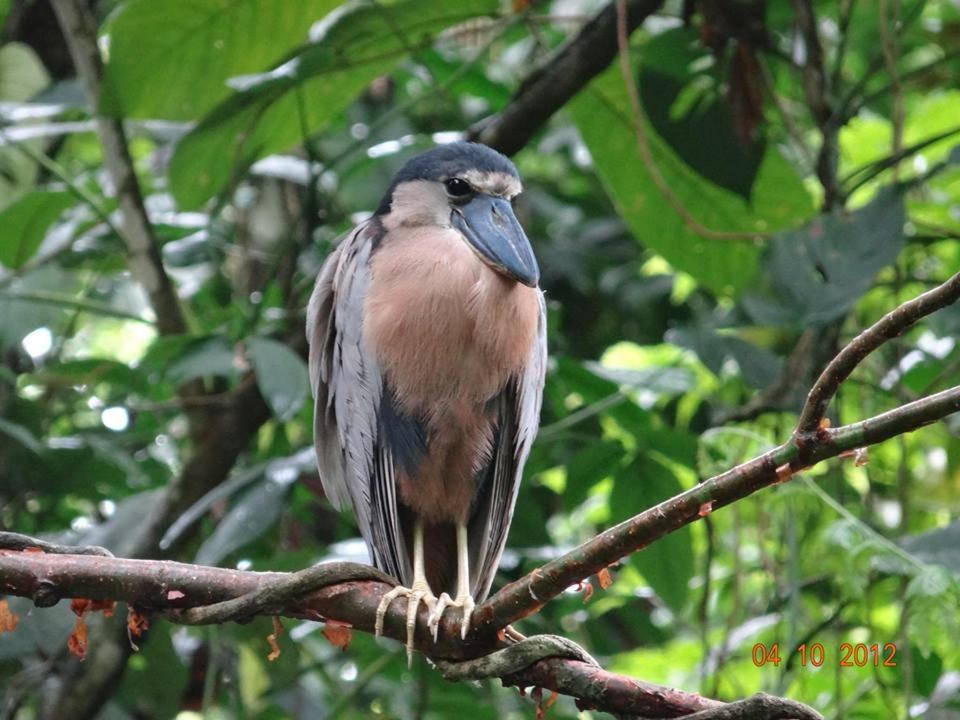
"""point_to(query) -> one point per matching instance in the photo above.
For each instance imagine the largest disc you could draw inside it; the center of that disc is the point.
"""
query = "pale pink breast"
(448, 332)
(443, 324)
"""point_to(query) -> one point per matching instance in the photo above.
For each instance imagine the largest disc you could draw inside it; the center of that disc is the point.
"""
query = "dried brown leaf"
(8, 618)
(272, 639)
(79, 639)
(137, 622)
(605, 578)
(338, 633)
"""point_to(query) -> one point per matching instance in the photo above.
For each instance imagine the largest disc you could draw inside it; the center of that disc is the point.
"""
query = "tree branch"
(350, 593)
(816, 85)
(889, 326)
(546, 90)
(80, 31)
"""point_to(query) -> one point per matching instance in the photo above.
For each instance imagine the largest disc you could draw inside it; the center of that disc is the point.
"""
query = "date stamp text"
(816, 655)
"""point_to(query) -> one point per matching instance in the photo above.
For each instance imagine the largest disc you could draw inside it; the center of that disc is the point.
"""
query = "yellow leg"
(419, 593)
(464, 599)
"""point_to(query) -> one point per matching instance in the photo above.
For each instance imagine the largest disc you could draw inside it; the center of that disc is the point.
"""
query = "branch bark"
(548, 89)
(349, 593)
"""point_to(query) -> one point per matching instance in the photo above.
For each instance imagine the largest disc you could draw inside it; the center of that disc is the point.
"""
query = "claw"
(415, 595)
(464, 602)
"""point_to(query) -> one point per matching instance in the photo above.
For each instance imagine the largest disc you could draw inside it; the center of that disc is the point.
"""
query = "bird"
(427, 360)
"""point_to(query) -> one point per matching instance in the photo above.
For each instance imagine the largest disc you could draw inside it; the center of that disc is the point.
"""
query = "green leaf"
(685, 106)
(668, 563)
(252, 516)
(936, 546)
(281, 376)
(278, 109)
(22, 74)
(201, 357)
(758, 367)
(173, 59)
(602, 114)
(588, 467)
(932, 582)
(817, 274)
(24, 224)
(21, 435)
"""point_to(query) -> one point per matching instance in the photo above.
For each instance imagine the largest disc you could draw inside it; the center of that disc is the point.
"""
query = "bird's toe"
(467, 604)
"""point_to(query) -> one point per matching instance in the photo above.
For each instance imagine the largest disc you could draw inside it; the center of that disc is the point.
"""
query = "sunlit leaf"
(173, 59)
(603, 116)
(667, 564)
(277, 109)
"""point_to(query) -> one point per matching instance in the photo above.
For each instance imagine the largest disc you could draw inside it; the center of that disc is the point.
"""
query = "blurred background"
(795, 174)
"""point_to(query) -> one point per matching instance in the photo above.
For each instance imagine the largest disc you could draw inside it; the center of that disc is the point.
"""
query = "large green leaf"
(24, 224)
(816, 274)
(281, 375)
(684, 105)
(22, 74)
(778, 200)
(278, 109)
(668, 563)
(172, 59)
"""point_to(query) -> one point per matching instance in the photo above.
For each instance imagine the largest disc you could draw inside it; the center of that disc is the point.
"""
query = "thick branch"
(80, 31)
(169, 586)
(567, 73)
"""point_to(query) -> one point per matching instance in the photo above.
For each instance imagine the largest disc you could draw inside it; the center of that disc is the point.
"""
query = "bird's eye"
(458, 188)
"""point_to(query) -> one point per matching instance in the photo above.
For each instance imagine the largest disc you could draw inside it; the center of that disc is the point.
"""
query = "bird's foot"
(415, 595)
(466, 605)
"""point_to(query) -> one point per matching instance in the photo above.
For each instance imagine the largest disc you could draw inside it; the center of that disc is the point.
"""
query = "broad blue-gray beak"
(490, 226)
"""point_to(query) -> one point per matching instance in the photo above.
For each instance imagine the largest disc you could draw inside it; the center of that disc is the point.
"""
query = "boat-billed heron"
(428, 350)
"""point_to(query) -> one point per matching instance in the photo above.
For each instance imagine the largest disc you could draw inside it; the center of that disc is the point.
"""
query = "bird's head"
(468, 187)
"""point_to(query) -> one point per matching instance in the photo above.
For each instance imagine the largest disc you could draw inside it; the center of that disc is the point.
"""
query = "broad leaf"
(668, 563)
(172, 59)
(281, 375)
(24, 224)
(276, 110)
(247, 520)
(818, 273)
(603, 115)
(685, 106)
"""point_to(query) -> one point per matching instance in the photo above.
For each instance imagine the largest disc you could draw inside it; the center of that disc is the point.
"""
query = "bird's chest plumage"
(448, 333)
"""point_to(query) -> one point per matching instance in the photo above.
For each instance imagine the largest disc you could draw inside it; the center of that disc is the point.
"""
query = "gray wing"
(519, 413)
(347, 385)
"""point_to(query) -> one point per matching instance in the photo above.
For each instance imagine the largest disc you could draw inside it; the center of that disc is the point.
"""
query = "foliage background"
(259, 136)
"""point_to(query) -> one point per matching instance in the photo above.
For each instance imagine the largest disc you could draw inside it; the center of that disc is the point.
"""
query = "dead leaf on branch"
(8, 618)
(605, 578)
(78, 641)
(272, 639)
(338, 633)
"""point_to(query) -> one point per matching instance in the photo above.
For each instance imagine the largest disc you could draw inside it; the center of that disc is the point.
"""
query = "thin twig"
(89, 306)
(18, 541)
(889, 40)
(79, 30)
(889, 326)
